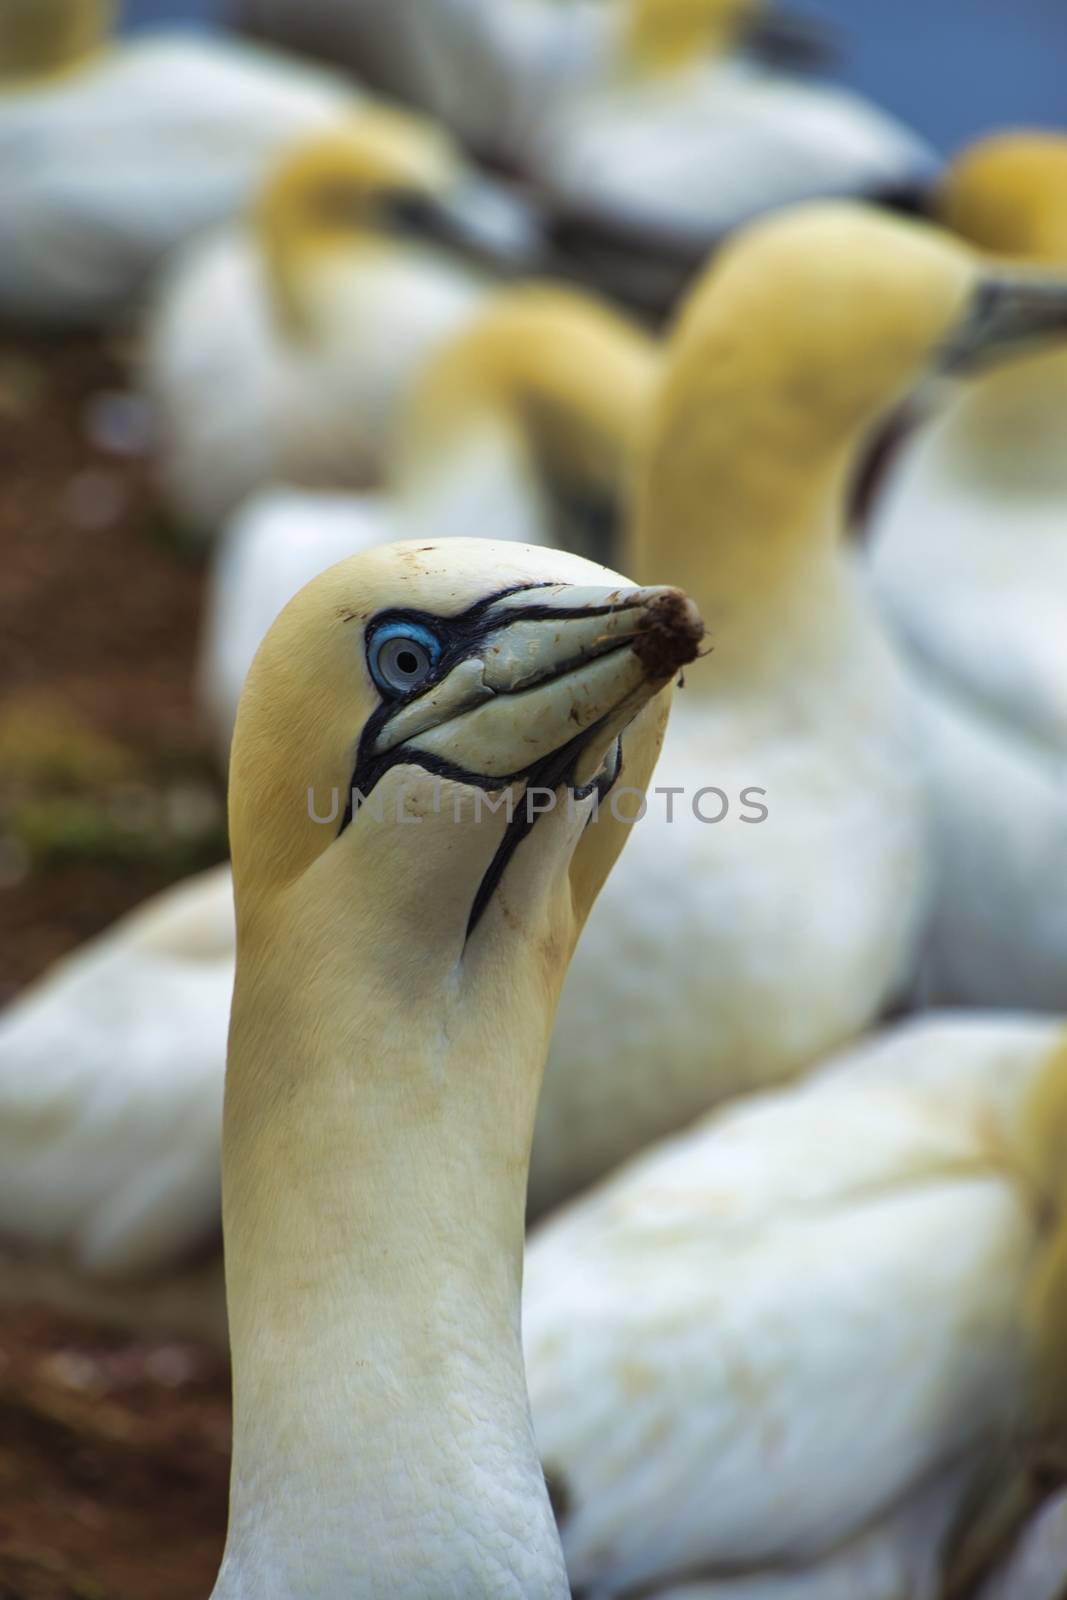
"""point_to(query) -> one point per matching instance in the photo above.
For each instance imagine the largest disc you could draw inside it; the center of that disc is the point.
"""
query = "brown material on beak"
(672, 636)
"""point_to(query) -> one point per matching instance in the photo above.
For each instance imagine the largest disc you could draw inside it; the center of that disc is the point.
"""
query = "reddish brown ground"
(113, 1454)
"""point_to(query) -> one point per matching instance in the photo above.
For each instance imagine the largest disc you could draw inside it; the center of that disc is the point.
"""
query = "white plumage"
(969, 559)
(111, 1103)
(777, 1351)
(693, 159)
(723, 956)
(110, 166)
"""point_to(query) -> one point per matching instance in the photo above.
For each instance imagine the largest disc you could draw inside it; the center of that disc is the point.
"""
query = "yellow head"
(668, 35)
(467, 667)
(664, 34)
(40, 37)
(567, 376)
(380, 175)
(1008, 195)
(805, 331)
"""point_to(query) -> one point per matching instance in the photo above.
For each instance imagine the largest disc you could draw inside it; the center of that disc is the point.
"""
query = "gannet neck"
(332, 193)
(806, 330)
(40, 39)
(740, 499)
(553, 381)
(376, 1156)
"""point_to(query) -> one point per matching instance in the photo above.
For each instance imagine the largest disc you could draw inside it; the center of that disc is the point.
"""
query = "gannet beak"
(1007, 313)
(480, 219)
(792, 42)
(538, 686)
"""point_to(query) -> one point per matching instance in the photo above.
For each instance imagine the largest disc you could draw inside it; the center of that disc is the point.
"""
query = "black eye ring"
(402, 656)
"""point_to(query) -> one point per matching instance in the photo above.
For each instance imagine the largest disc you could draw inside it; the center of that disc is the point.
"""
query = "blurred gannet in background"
(804, 1350)
(394, 998)
(110, 1117)
(280, 348)
(115, 152)
(970, 560)
(654, 126)
(518, 427)
(771, 908)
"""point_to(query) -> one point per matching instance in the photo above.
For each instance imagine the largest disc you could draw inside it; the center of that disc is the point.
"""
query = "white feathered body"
(696, 156)
(110, 167)
(970, 561)
(245, 403)
(773, 1353)
(488, 69)
(725, 956)
(111, 1070)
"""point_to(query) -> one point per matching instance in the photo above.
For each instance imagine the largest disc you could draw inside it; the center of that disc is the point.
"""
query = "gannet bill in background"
(397, 972)
(280, 348)
(969, 558)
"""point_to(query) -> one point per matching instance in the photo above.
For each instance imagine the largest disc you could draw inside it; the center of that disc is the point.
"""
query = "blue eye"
(402, 656)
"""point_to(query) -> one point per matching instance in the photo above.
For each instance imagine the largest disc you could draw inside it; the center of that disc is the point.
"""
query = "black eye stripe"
(460, 636)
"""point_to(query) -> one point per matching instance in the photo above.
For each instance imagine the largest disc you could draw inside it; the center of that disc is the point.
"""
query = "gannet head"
(380, 175)
(1008, 195)
(396, 704)
(823, 317)
(805, 331)
(662, 35)
(39, 37)
(558, 373)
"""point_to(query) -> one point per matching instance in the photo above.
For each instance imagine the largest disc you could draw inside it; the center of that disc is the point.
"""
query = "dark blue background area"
(951, 68)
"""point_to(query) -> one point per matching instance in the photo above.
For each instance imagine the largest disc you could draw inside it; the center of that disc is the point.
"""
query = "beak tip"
(671, 637)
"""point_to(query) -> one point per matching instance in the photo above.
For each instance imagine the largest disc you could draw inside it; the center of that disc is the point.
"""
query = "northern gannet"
(804, 1350)
(728, 954)
(969, 557)
(771, 906)
(521, 424)
(657, 125)
(115, 152)
(398, 965)
(279, 348)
